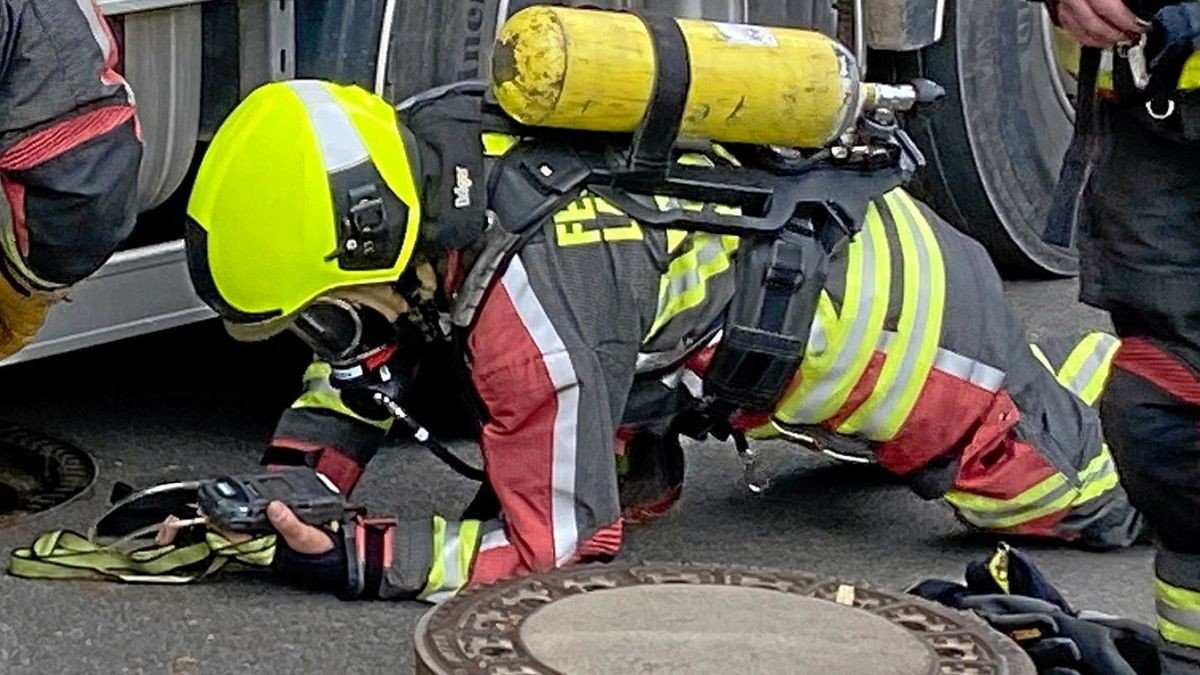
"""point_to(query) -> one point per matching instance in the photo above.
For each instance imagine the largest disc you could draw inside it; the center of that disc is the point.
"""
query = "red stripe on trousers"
(14, 192)
(929, 432)
(1155, 365)
(54, 140)
(518, 438)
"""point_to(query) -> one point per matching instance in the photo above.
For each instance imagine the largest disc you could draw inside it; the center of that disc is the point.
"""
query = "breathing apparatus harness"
(792, 211)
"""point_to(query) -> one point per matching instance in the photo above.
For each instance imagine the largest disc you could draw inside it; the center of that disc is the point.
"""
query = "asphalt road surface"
(189, 403)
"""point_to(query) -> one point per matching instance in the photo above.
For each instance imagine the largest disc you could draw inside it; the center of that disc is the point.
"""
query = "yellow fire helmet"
(306, 188)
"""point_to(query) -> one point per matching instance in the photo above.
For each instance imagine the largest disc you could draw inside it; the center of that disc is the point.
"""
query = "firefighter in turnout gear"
(1131, 190)
(588, 337)
(70, 147)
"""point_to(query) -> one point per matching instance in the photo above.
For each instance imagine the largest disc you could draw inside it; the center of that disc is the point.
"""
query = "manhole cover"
(39, 473)
(703, 619)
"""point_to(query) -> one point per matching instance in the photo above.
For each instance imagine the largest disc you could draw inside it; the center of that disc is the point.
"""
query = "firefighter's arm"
(378, 558)
(320, 431)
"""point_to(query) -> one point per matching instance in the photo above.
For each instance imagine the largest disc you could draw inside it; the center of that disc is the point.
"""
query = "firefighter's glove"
(1061, 644)
(1172, 38)
(305, 555)
(22, 315)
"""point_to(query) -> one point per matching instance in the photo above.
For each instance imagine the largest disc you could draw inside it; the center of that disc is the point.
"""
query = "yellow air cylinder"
(594, 70)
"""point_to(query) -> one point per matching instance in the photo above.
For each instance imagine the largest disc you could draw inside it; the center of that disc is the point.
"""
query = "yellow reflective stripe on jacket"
(827, 376)
(454, 547)
(320, 394)
(1086, 368)
(1052, 494)
(911, 352)
(685, 283)
(1178, 612)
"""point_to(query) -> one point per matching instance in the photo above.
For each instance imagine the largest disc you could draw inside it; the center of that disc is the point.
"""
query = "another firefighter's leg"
(1151, 410)
(548, 441)
(70, 149)
(1142, 263)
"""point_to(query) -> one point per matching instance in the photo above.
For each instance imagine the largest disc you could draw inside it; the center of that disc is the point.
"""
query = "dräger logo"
(462, 187)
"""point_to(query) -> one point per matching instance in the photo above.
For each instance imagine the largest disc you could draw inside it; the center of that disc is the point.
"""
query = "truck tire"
(995, 143)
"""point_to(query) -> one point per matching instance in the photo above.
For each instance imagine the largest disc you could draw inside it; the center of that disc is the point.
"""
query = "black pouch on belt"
(779, 282)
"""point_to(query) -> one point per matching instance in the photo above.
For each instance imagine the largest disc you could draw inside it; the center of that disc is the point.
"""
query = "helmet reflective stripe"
(340, 144)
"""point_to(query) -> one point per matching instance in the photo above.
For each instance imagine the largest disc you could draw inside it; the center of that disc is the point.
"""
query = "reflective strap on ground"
(320, 394)
(684, 285)
(912, 350)
(828, 376)
(63, 554)
(454, 545)
(1178, 613)
(1086, 368)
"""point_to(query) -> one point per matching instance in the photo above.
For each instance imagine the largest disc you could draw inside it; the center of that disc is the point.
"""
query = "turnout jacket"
(597, 322)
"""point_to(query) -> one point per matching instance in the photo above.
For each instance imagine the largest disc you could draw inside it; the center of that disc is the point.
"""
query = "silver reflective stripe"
(993, 517)
(341, 146)
(964, 368)
(1180, 617)
(1092, 364)
(879, 419)
(558, 364)
(818, 338)
(825, 388)
(493, 539)
(679, 284)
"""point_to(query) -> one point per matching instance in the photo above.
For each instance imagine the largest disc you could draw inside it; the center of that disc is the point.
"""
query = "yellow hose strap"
(64, 554)
(1178, 613)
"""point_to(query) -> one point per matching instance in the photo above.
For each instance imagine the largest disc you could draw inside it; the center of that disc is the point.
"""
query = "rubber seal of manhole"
(38, 473)
(673, 617)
